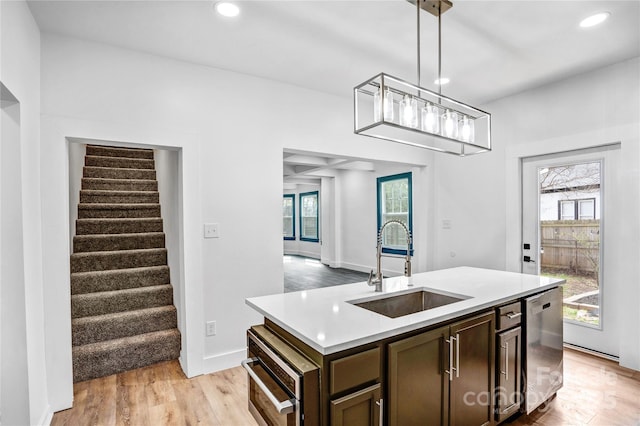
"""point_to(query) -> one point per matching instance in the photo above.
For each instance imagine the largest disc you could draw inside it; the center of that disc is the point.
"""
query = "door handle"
(528, 259)
(506, 360)
(457, 355)
(451, 368)
(381, 405)
(284, 407)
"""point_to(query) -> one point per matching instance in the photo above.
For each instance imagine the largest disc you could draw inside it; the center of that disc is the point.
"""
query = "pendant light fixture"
(389, 108)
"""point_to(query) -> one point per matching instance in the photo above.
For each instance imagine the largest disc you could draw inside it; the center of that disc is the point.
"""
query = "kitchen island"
(366, 359)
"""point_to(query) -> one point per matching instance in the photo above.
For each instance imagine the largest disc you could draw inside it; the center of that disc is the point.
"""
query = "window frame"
(300, 197)
(293, 217)
(576, 208)
(379, 182)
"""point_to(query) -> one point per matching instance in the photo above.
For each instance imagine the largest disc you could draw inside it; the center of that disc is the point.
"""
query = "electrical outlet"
(211, 230)
(211, 328)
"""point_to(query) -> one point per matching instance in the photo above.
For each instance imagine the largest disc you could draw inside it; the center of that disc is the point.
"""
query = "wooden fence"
(570, 244)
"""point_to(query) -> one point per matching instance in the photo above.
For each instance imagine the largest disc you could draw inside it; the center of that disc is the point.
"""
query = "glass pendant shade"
(430, 118)
(466, 129)
(449, 126)
(383, 105)
(425, 118)
(409, 112)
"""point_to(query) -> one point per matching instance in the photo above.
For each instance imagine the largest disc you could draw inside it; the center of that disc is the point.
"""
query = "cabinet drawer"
(508, 316)
(354, 370)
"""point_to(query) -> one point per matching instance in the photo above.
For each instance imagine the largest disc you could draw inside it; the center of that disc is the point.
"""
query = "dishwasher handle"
(283, 407)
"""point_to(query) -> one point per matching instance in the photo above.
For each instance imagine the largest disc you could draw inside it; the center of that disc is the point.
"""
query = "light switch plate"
(211, 230)
(211, 328)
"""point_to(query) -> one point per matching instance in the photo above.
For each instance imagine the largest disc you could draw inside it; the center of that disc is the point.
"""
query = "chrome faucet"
(377, 280)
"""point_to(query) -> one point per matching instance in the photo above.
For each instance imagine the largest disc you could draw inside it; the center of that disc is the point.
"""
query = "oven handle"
(284, 407)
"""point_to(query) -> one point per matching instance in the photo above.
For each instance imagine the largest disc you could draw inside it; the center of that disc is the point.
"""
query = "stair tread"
(120, 271)
(118, 180)
(114, 206)
(120, 219)
(131, 313)
(119, 158)
(119, 279)
(116, 191)
(115, 151)
(119, 252)
(127, 353)
(122, 235)
(147, 289)
(125, 341)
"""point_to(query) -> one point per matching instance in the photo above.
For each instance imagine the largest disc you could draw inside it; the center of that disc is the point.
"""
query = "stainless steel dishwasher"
(543, 351)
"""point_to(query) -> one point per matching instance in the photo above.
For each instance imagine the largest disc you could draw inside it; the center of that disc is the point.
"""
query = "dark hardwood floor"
(303, 273)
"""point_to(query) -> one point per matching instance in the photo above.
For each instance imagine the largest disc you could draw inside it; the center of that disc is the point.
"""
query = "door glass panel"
(569, 199)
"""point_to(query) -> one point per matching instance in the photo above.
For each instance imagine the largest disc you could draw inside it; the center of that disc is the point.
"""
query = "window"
(288, 215)
(394, 202)
(584, 209)
(309, 217)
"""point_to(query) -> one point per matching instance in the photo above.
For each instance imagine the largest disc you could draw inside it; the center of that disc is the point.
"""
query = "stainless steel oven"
(283, 384)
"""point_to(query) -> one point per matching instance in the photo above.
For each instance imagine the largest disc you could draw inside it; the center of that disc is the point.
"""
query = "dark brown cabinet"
(508, 392)
(418, 386)
(508, 369)
(361, 408)
(443, 376)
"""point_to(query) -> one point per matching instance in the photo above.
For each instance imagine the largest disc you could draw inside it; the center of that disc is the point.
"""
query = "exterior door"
(565, 206)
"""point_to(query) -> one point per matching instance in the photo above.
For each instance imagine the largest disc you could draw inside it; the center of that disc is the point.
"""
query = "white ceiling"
(490, 49)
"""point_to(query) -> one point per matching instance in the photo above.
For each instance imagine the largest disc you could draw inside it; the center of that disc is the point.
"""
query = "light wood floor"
(596, 392)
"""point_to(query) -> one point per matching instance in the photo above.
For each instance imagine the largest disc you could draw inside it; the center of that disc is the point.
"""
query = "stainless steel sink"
(408, 303)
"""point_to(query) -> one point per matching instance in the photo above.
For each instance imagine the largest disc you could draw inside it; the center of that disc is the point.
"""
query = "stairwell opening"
(125, 257)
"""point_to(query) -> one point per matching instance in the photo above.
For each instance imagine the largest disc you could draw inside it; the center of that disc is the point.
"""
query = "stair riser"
(119, 279)
(92, 304)
(118, 358)
(104, 261)
(119, 152)
(128, 324)
(111, 173)
(117, 198)
(83, 244)
(109, 226)
(96, 213)
(122, 163)
(119, 185)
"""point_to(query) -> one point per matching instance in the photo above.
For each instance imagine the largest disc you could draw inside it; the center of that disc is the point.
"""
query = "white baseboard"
(46, 417)
(224, 361)
(367, 269)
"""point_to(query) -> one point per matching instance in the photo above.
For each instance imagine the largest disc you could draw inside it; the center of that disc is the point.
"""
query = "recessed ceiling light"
(227, 9)
(594, 20)
(441, 81)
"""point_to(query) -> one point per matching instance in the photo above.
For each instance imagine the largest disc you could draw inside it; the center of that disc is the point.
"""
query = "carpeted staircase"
(121, 297)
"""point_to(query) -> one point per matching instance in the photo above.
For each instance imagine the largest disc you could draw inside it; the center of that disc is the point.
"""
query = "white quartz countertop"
(324, 319)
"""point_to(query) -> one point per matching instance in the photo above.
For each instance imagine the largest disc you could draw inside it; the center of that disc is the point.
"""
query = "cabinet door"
(471, 394)
(418, 386)
(508, 371)
(360, 408)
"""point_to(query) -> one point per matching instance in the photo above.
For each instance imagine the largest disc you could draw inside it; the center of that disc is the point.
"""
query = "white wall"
(20, 73)
(481, 195)
(357, 209)
(77, 151)
(100, 92)
(169, 178)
